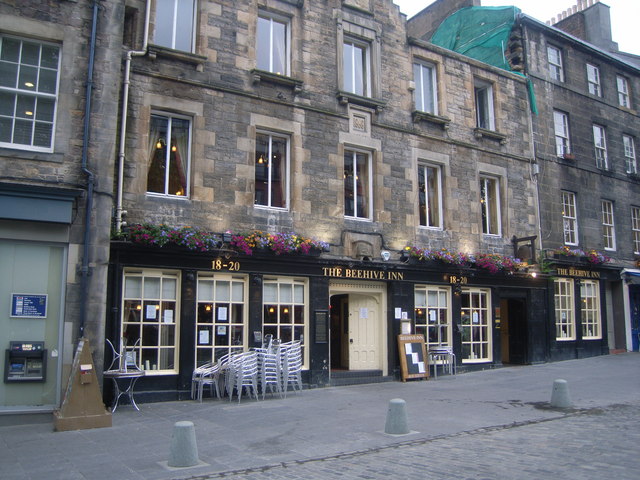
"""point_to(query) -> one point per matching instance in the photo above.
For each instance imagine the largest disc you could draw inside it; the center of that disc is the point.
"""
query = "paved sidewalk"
(317, 426)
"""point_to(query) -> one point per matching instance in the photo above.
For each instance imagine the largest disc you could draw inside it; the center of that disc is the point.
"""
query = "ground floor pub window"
(565, 313)
(284, 309)
(475, 325)
(590, 309)
(433, 315)
(150, 318)
(221, 317)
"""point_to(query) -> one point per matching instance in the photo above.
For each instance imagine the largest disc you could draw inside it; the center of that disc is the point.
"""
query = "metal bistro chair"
(291, 355)
(270, 369)
(442, 355)
(241, 373)
(208, 374)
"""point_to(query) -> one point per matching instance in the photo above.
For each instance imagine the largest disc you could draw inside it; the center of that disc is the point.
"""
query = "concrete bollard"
(560, 395)
(397, 418)
(184, 451)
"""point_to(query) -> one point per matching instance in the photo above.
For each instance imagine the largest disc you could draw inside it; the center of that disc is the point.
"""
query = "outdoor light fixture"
(386, 255)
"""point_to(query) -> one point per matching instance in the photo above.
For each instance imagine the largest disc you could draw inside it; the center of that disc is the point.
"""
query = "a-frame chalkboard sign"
(413, 357)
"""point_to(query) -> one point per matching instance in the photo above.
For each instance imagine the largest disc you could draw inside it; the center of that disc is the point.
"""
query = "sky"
(624, 15)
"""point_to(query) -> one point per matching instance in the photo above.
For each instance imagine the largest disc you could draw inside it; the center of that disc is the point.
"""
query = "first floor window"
(174, 22)
(424, 77)
(272, 48)
(630, 153)
(28, 93)
(635, 228)
(430, 196)
(608, 226)
(569, 218)
(484, 105)
(356, 67)
(150, 318)
(357, 184)
(475, 326)
(590, 311)
(490, 205)
(284, 310)
(623, 92)
(600, 144)
(565, 309)
(561, 129)
(169, 153)
(221, 317)
(433, 315)
(271, 170)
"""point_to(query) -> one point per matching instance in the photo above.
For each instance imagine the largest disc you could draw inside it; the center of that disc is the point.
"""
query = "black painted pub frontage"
(182, 308)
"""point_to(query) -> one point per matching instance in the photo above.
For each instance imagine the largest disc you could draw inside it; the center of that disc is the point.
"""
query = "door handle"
(351, 340)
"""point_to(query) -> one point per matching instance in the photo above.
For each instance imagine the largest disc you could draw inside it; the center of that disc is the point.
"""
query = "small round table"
(128, 379)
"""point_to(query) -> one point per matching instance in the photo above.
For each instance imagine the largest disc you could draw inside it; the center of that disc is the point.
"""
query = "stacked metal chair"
(208, 374)
(270, 369)
(291, 355)
(241, 373)
(442, 355)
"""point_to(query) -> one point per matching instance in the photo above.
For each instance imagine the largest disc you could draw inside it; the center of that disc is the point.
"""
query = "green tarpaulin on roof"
(481, 33)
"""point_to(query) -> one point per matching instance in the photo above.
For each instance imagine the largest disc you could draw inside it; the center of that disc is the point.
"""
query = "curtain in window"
(157, 145)
(179, 157)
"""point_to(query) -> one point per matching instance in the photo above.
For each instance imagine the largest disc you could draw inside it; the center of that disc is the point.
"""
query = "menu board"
(28, 305)
(413, 357)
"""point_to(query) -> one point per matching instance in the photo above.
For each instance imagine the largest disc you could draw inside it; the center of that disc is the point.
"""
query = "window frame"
(147, 301)
(211, 351)
(622, 87)
(490, 209)
(286, 174)
(424, 196)
(367, 75)
(556, 68)
(563, 142)
(369, 187)
(21, 95)
(593, 80)
(569, 218)
(608, 225)
(174, 25)
(438, 332)
(483, 326)
(425, 84)
(483, 101)
(629, 146)
(590, 312)
(170, 117)
(565, 309)
(274, 18)
(600, 146)
(635, 229)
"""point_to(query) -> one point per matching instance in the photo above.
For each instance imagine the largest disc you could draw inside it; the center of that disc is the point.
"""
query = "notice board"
(413, 357)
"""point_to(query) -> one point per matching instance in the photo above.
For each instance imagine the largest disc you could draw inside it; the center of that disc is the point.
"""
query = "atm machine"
(25, 362)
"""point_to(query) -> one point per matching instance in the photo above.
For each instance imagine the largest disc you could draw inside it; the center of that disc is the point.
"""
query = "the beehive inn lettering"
(343, 272)
(572, 272)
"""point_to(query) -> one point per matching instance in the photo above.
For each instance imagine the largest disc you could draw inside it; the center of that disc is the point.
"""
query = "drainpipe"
(123, 121)
(84, 271)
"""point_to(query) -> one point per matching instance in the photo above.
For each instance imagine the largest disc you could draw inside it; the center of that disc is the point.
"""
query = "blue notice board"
(28, 305)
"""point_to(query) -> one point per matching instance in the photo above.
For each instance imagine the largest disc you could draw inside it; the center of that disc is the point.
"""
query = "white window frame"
(629, 145)
(608, 225)
(600, 147)
(483, 100)
(425, 196)
(218, 319)
(635, 228)
(590, 316)
(282, 305)
(476, 325)
(426, 87)
(353, 187)
(593, 80)
(565, 309)
(490, 206)
(554, 59)
(569, 218)
(561, 131)
(178, 19)
(433, 314)
(285, 174)
(268, 49)
(144, 302)
(350, 79)
(622, 84)
(25, 93)
(162, 142)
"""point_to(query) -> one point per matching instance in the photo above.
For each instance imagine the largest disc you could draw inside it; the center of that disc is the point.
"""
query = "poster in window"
(168, 316)
(221, 330)
(222, 314)
(150, 313)
(203, 337)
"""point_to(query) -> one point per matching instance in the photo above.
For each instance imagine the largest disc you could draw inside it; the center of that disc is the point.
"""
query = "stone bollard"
(184, 451)
(560, 394)
(397, 418)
